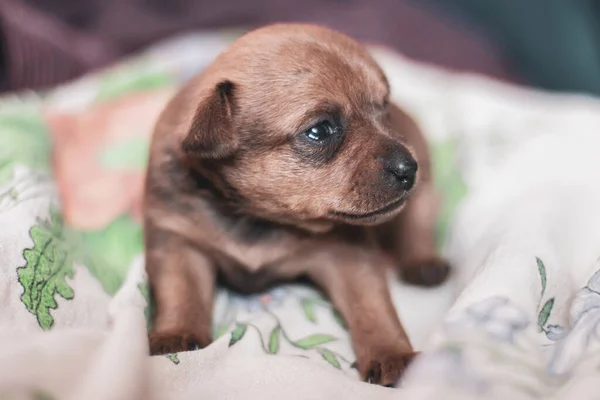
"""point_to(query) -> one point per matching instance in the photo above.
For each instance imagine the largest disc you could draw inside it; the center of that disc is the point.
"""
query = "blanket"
(74, 302)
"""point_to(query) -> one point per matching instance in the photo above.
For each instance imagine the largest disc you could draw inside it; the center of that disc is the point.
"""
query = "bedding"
(74, 303)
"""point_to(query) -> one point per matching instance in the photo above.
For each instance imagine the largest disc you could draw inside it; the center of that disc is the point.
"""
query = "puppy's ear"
(211, 134)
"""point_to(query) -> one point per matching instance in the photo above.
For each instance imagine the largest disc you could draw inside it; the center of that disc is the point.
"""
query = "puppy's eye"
(320, 132)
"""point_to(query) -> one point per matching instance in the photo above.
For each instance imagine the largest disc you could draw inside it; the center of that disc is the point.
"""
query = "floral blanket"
(74, 301)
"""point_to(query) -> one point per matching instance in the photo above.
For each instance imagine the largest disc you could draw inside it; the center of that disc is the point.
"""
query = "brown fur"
(236, 188)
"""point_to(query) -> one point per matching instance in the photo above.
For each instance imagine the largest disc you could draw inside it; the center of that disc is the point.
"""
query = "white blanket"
(525, 243)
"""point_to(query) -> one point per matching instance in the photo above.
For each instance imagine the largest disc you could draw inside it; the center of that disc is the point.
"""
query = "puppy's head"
(293, 123)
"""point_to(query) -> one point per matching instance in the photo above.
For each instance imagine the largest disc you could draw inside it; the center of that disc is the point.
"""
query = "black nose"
(402, 169)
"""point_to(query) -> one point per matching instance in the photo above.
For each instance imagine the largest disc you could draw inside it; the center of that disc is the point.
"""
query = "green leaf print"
(24, 140)
(542, 271)
(173, 357)
(448, 181)
(149, 309)
(131, 78)
(330, 358)
(108, 253)
(314, 341)
(308, 306)
(545, 314)
(48, 263)
(237, 334)
(274, 340)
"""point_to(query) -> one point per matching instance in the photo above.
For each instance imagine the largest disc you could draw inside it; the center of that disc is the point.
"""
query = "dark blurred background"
(552, 44)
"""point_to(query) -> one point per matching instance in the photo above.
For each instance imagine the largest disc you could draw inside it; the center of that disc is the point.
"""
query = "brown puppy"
(284, 159)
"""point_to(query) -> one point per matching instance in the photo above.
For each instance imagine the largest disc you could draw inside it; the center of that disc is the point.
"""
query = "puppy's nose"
(403, 170)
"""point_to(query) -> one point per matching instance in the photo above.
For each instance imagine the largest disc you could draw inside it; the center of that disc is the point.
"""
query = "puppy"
(283, 159)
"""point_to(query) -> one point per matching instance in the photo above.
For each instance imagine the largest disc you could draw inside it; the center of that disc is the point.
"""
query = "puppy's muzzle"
(400, 170)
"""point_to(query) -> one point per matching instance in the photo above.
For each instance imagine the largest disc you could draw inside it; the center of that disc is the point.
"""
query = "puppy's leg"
(412, 240)
(358, 288)
(182, 281)
(355, 281)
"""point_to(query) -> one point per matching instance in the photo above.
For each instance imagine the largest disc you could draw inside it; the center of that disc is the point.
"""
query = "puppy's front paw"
(427, 272)
(176, 341)
(385, 367)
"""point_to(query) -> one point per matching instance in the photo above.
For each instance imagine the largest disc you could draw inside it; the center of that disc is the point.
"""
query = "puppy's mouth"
(370, 216)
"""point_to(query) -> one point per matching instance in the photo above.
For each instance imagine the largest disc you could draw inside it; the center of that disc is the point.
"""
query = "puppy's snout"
(401, 169)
